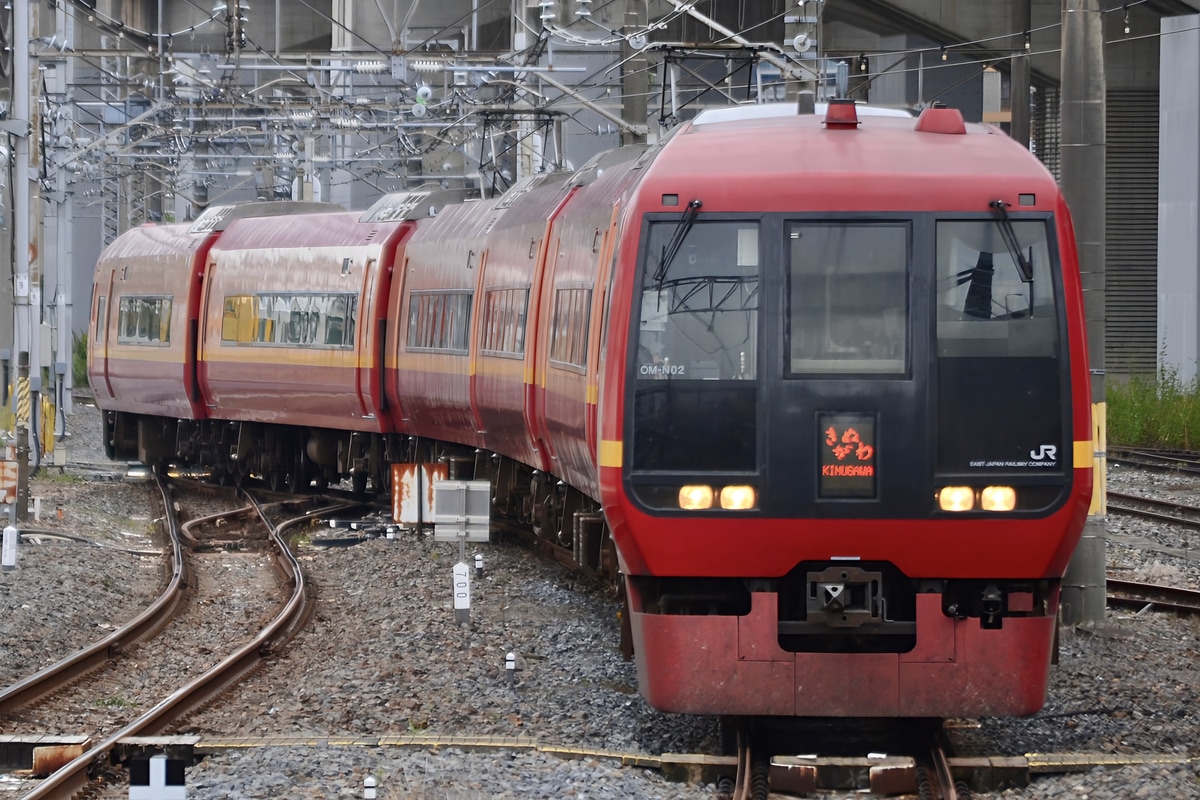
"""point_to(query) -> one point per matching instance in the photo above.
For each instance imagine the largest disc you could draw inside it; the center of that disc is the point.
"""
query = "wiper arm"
(672, 247)
(1000, 208)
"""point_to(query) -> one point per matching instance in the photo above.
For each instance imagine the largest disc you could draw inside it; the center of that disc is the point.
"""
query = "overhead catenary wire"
(462, 100)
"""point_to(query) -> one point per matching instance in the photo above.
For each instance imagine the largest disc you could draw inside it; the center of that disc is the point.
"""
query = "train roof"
(291, 231)
(217, 218)
(152, 239)
(755, 111)
(874, 162)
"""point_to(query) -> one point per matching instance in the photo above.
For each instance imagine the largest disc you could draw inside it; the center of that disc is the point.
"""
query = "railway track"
(1183, 461)
(911, 758)
(1130, 594)
(1150, 508)
(286, 620)
(66, 670)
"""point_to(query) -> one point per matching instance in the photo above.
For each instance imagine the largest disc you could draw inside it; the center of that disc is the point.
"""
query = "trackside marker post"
(462, 593)
(369, 787)
(11, 535)
(159, 778)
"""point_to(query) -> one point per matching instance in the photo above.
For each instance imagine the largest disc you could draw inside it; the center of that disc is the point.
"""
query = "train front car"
(847, 456)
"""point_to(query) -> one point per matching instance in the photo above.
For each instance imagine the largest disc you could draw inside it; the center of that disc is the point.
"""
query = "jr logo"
(1046, 451)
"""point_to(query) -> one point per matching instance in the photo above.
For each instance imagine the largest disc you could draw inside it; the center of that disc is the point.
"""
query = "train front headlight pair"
(698, 497)
(966, 498)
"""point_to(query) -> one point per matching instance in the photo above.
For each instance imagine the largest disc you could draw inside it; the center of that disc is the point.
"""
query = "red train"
(816, 386)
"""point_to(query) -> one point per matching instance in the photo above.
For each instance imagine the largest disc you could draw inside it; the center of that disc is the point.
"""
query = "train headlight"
(998, 498)
(738, 497)
(695, 498)
(956, 498)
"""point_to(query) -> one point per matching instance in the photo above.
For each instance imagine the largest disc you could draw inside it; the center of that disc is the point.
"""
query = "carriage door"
(848, 412)
(102, 301)
(368, 342)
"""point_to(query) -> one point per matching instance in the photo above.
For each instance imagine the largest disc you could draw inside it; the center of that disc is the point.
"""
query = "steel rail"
(74, 776)
(1142, 595)
(1151, 508)
(143, 626)
(1162, 460)
(753, 778)
(945, 778)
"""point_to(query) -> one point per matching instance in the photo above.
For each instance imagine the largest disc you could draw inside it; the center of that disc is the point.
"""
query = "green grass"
(114, 702)
(1143, 412)
(79, 360)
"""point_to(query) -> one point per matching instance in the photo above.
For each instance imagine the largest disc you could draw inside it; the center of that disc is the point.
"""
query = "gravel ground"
(384, 657)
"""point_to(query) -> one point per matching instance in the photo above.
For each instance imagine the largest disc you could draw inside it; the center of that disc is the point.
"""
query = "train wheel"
(358, 481)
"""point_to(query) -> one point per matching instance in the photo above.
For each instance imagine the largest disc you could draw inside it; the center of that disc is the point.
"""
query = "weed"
(79, 360)
(114, 702)
(1146, 412)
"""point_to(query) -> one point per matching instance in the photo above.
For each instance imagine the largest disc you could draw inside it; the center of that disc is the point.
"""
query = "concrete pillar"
(1083, 183)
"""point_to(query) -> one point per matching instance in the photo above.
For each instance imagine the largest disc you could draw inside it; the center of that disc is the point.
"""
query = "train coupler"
(845, 597)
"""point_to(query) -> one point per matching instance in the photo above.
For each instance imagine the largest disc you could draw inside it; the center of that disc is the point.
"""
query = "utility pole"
(635, 76)
(1018, 126)
(60, 213)
(24, 324)
(1083, 184)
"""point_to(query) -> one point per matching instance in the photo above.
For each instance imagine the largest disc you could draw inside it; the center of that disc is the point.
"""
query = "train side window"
(297, 322)
(266, 307)
(351, 320)
(460, 331)
(101, 315)
(848, 298)
(238, 319)
(439, 321)
(229, 320)
(142, 320)
(146, 320)
(985, 306)
(335, 322)
(504, 321)
(163, 332)
(126, 320)
(569, 326)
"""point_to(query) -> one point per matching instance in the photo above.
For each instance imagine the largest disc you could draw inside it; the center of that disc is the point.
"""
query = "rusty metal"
(412, 492)
(753, 766)
(945, 779)
(48, 759)
(935, 779)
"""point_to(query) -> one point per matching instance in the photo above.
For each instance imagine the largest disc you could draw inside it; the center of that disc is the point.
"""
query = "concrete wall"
(1179, 197)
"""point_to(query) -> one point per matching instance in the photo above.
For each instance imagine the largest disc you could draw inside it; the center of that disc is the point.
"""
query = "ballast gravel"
(384, 657)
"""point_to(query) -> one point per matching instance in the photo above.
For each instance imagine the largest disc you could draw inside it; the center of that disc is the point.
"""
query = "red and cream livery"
(815, 386)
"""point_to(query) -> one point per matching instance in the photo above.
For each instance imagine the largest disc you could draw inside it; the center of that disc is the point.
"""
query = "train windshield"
(999, 373)
(848, 298)
(695, 401)
(986, 307)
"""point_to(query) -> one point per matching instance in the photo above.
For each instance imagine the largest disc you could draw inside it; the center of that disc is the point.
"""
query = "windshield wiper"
(672, 247)
(1000, 208)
